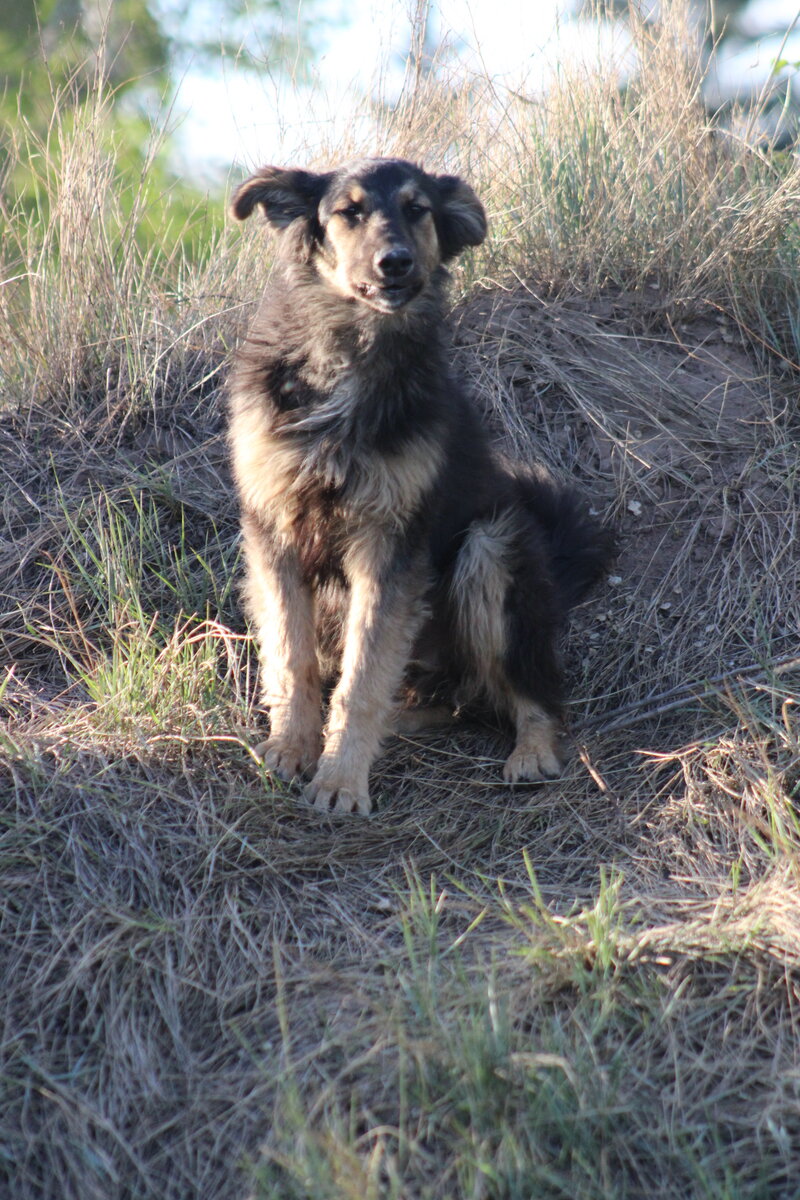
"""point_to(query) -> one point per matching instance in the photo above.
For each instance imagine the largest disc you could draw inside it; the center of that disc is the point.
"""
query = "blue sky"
(232, 116)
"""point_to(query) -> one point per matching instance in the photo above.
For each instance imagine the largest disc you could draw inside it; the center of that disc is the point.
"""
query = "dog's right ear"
(283, 194)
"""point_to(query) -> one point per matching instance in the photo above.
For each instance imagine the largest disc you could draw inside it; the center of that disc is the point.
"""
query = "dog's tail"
(582, 549)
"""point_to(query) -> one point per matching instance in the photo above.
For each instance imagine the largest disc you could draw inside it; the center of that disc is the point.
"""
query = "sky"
(233, 117)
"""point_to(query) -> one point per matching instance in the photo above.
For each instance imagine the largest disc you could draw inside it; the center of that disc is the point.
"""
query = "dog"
(384, 538)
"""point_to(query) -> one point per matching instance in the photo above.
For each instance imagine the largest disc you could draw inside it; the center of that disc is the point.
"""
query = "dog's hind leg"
(281, 607)
(383, 618)
(532, 667)
(506, 623)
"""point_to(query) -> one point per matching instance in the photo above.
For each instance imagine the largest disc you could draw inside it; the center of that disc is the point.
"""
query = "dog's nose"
(394, 263)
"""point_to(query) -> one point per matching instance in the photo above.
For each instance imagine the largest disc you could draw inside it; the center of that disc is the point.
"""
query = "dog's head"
(376, 229)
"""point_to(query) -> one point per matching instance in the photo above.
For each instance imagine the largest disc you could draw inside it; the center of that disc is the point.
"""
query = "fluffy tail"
(582, 550)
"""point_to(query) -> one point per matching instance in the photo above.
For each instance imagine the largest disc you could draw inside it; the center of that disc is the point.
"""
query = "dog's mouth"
(387, 297)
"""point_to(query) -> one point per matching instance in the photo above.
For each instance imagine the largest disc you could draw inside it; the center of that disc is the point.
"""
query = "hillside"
(587, 988)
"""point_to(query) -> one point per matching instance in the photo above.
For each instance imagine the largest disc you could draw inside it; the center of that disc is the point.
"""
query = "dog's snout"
(394, 263)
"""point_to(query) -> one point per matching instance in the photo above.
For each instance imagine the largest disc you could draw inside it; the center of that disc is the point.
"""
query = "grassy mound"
(583, 990)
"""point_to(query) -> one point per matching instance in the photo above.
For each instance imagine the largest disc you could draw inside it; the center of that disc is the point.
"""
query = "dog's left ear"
(461, 220)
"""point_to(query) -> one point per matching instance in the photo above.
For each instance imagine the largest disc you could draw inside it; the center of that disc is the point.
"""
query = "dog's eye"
(416, 210)
(351, 210)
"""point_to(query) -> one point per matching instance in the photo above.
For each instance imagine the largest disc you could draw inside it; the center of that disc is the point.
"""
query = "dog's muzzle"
(395, 281)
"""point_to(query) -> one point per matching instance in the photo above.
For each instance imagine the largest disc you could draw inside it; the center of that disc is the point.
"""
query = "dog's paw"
(289, 757)
(335, 790)
(527, 764)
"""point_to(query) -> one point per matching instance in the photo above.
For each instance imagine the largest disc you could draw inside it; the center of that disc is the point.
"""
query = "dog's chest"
(337, 486)
(366, 450)
(325, 466)
(340, 500)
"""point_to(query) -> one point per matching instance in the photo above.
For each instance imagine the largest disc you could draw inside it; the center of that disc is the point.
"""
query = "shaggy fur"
(386, 543)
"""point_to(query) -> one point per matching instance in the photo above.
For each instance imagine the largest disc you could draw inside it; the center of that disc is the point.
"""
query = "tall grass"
(586, 990)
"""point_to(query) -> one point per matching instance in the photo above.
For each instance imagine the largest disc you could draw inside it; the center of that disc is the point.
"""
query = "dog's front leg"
(281, 606)
(383, 618)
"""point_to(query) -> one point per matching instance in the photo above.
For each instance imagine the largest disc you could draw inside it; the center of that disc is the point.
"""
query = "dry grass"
(585, 990)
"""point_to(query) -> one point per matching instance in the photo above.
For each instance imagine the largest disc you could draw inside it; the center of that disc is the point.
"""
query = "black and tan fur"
(380, 529)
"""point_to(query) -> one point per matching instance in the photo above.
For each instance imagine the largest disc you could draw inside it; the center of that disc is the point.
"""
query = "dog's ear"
(283, 194)
(461, 220)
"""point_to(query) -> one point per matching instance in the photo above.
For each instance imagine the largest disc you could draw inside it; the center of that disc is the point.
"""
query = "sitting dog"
(381, 531)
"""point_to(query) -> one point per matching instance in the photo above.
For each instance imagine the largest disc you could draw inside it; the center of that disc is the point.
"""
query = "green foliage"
(59, 58)
(46, 45)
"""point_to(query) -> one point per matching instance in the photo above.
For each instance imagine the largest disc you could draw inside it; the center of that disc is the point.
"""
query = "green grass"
(585, 990)
(551, 1057)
